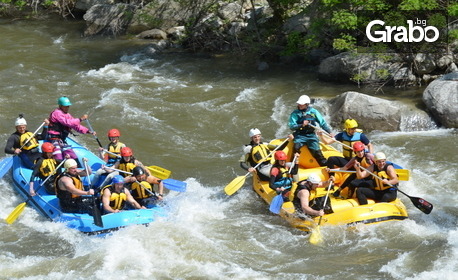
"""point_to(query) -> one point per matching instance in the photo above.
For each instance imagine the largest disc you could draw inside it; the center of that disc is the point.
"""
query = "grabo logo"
(414, 33)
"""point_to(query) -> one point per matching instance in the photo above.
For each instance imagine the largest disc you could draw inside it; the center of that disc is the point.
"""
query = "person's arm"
(85, 172)
(360, 173)
(12, 145)
(35, 172)
(69, 121)
(293, 120)
(67, 184)
(106, 202)
(303, 196)
(323, 124)
(367, 142)
(393, 176)
(132, 200)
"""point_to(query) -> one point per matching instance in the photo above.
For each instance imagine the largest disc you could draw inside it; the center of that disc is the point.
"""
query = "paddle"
(33, 135)
(5, 166)
(403, 174)
(315, 236)
(20, 208)
(95, 208)
(238, 182)
(95, 136)
(277, 201)
(171, 184)
(420, 203)
(330, 136)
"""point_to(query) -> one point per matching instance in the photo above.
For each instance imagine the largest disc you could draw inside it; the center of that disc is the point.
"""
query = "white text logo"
(402, 34)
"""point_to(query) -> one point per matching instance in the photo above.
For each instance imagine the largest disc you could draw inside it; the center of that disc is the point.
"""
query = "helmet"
(350, 123)
(117, 179)
(138, 171)
(126, 152)
(47, 147)
(20, 121)
(304, 99)
(114, 133)
(254, 131)
(280, 155)
(358, 146)
(379, 156)
(314, 178)
(70, 163)
(64, 101)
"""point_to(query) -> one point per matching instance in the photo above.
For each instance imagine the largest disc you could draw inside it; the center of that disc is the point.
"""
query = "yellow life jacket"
(139, 192)
(33, 143)
(126, 166)
(115, 150)
(47, 167)
(64, 194)
(260, 152)
(382, 174)
(117, 200)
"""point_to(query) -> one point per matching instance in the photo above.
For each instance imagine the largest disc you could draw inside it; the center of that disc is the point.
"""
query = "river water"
(191, 114)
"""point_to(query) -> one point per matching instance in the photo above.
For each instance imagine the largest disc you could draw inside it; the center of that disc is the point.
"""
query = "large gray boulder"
(441, 99)
(373, 113)
(104, 19)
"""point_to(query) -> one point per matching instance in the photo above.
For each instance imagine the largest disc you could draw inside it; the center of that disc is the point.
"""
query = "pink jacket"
(67, 121)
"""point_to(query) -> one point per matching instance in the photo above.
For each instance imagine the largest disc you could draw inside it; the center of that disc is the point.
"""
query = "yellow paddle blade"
(235, 185)
(15, 214)
(159, 172)
(315, 236)
(403, 174)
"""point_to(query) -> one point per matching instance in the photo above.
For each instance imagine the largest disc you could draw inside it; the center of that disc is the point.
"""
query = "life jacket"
(138, 191)
(32, 143)
(297, 201)
(315, 202)
(260, 152)
(117, 200)
(47, 167)
(114, 150)
(282, 179)
(384, 175)
(306, 116)
(348, 141)
(64, 195)
(365, 161)
(126, 166)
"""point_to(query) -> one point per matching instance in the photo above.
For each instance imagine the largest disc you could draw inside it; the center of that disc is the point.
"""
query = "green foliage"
(409, 5)
(345, 43)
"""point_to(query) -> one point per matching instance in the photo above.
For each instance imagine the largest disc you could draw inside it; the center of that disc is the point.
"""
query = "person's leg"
(388, 195)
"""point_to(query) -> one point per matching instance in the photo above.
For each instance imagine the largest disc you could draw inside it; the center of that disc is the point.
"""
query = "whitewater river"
(191, 114)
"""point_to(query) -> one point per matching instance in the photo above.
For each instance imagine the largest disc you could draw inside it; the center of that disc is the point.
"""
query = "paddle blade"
(15, 214)
(234, 185)
(159, 172)
(403, 174)
(175, 185)
(5, 166)
(277, 203)
(422, 204)
(96, 215)
(316, 237)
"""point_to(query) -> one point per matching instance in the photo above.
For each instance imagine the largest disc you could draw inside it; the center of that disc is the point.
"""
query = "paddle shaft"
(329, 135)
(92, 130)
(325, 200)
(33, 135)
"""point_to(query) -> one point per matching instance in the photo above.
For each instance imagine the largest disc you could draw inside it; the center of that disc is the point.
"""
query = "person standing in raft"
(115, 196)
(111, 155)
(347, 137)
(304, 200)
(70, 189)
(44, 166)
(24, 144)
(384, 190)
(280, 175)
(304, 134)
(364, 158)
(61, 125)
(257, 153)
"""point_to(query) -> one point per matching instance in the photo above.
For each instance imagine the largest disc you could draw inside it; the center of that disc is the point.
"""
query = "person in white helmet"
(304, 135)
(258, 152)
(382, 189)
(70, 189)
(24, 144)
(304, 200)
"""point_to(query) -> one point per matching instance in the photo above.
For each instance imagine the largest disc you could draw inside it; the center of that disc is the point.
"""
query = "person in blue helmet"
(115, 196)
(300, 122)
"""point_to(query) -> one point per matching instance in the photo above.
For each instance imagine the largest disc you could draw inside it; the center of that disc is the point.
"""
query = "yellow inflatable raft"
(345, 211)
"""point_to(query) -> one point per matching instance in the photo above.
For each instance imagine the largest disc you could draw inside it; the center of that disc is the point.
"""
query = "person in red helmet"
(45, 166)
(280, 174)
(111, 154)
(366, 159)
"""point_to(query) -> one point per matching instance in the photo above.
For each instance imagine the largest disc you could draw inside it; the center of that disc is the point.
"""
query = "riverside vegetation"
(324, 33)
